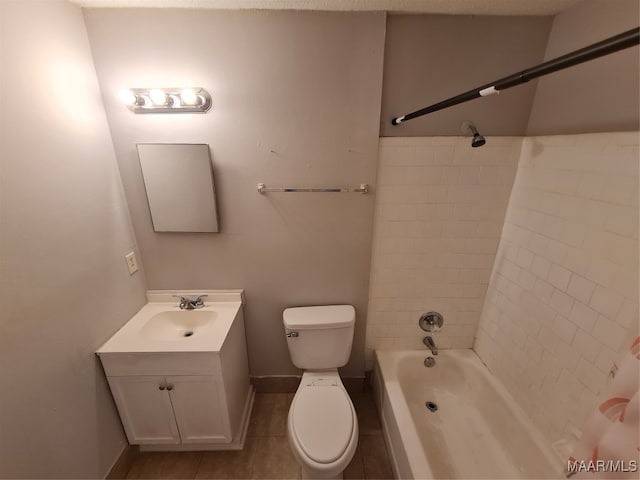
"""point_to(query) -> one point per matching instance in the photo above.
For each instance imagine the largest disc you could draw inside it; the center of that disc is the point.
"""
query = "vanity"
(180, 377)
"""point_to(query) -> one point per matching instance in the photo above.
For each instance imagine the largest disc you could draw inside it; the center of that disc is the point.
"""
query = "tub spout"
(431, 345)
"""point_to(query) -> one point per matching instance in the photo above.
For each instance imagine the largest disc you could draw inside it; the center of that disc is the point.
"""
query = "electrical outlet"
(132, 263)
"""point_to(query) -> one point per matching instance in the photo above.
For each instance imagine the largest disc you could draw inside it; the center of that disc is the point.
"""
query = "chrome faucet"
(431, 345)
(190, 304)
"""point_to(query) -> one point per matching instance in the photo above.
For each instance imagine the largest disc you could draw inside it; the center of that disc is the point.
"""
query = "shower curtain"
(610, 442)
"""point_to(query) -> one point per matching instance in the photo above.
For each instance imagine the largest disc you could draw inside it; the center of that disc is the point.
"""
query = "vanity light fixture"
(166, 100)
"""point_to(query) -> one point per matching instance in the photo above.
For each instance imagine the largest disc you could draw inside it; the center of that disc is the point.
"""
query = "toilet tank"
(319, 337)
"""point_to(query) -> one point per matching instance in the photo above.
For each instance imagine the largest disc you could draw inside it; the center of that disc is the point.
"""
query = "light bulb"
(188, 96)
(127, 96)
(158, 97)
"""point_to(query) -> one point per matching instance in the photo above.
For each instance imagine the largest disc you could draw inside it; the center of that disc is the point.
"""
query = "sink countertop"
(133, 337)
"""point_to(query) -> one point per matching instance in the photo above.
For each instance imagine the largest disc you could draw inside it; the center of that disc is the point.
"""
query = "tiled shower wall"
(440, 207)
(564, 289)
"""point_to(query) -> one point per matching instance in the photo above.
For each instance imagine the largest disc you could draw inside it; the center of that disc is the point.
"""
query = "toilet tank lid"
(326, 316)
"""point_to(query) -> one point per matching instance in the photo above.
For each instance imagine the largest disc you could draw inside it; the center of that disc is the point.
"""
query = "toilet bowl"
(322, 425)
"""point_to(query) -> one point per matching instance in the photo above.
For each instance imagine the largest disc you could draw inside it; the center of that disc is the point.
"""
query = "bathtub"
(476, 431)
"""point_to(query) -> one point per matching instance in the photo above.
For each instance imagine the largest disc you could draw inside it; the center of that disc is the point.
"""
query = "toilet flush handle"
(292, 334)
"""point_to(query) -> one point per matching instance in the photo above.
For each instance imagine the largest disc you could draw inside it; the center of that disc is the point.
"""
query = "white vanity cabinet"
(146, 412)
(184, 385)
(200, 408)
(178, 409)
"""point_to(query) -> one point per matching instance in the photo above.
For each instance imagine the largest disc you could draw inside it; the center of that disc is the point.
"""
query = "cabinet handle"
(169, 387)
(161, 387)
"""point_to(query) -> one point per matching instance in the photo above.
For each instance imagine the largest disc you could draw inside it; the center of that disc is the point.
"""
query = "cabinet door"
(200, 409)
(145, 409)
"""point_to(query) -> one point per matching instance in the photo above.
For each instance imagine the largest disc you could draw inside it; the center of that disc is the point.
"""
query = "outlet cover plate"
(132, 262)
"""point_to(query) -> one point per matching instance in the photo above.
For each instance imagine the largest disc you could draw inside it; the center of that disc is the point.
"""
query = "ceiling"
(451, 7)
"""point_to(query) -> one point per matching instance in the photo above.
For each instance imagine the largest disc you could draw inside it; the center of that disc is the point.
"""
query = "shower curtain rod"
(613, 44)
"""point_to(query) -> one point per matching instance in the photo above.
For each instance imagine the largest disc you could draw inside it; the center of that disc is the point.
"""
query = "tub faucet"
(431, 345)
(191, 304)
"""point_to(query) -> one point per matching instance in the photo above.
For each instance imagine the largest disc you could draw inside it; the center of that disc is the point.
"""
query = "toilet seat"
(322, 422)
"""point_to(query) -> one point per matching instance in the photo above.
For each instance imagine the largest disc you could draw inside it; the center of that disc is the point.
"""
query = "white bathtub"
(476, 432)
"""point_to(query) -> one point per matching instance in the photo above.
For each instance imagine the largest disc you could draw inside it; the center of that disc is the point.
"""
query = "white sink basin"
(160, 326)
(177, 325)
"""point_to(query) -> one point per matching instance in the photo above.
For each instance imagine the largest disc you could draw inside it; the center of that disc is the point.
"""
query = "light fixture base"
(143, 103)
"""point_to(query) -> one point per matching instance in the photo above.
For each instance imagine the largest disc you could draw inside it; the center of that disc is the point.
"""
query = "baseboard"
(123, 464)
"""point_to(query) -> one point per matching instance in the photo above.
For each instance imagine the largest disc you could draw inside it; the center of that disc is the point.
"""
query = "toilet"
(322, 425)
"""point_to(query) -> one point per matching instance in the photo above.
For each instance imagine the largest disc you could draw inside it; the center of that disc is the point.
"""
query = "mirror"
(178, 179)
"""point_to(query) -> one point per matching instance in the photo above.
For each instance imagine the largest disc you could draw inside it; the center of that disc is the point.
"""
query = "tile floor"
(266, 453)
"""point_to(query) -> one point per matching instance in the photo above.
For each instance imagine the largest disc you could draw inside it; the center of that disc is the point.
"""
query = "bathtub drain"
(432, 407)
(187, 334)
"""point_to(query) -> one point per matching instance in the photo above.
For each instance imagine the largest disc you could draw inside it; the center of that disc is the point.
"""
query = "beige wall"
(429, 58)
(597, 96)
(438, 216)
(564, 288)
(64, 285)
(296, 102)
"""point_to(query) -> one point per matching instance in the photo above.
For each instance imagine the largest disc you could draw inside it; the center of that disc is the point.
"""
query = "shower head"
(477, 140)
